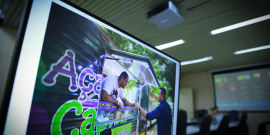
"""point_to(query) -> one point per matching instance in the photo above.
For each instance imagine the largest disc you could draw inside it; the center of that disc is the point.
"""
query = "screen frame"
(14, 64)
(18, 48)
(235, 70)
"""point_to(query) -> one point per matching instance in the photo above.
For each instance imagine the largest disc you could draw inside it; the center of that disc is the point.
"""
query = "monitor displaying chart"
(247, 90)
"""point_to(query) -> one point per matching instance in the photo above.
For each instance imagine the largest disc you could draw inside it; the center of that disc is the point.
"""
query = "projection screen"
(64, 55)
(243, 90)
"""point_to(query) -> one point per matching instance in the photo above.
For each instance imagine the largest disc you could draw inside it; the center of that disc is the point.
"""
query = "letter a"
(64, 66)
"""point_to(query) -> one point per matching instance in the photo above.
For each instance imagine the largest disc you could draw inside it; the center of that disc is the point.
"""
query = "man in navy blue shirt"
(162, 113)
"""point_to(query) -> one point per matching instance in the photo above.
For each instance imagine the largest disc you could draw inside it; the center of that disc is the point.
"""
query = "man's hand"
(120, 105)
(126, 102)
(133, 105)
(143, 112)
(137, 105)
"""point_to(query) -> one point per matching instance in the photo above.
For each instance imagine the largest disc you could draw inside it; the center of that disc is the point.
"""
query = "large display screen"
(246, 90)
(68, 58)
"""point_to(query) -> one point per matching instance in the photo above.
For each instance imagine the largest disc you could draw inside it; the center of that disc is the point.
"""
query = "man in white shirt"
(112, 87)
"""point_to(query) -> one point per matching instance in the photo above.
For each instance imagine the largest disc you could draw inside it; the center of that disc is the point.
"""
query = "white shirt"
(110, 85)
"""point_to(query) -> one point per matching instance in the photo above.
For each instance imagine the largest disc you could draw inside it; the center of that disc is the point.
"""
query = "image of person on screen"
(214, 112)
(112, 87)
(162, 113)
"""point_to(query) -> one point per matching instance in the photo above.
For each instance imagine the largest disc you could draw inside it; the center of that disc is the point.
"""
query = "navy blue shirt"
(164, 118)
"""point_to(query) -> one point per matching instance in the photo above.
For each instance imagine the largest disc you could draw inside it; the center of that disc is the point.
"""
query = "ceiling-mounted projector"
(165, 16)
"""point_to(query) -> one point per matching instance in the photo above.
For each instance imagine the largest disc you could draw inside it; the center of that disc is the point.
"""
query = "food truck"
(140, 70)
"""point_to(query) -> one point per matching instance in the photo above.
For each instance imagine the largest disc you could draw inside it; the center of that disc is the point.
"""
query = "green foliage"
(154, 90)
(131, 84)
(163, 67)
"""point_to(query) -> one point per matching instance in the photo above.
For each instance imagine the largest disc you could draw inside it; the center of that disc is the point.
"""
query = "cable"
(2, 5)
(1, 10)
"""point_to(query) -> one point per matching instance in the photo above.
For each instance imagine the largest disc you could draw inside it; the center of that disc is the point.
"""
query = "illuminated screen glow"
(57, 86)
(246, 90)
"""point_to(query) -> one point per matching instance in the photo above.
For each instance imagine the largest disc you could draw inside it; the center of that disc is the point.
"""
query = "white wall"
(186, 101)
(7, 43)
(203, 91)
(203, 95)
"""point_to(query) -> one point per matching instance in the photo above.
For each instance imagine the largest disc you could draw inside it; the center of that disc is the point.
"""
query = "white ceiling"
(201, 16)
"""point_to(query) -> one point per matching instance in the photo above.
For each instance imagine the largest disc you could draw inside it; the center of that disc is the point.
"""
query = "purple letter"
(89, 87)
(97, 84)
(64, 66)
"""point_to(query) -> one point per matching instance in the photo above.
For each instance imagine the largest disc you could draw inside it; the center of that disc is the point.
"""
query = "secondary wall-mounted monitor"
(243, 90)
(67, 59)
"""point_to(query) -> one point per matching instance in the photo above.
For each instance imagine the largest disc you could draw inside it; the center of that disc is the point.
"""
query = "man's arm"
(126, 102)
(107, 98)
(150, 115)
(143, 112)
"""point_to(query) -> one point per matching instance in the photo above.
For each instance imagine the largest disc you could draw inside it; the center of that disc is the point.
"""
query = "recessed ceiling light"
(196, 61)
(171, 44)
(241, 24)
(252, 49)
